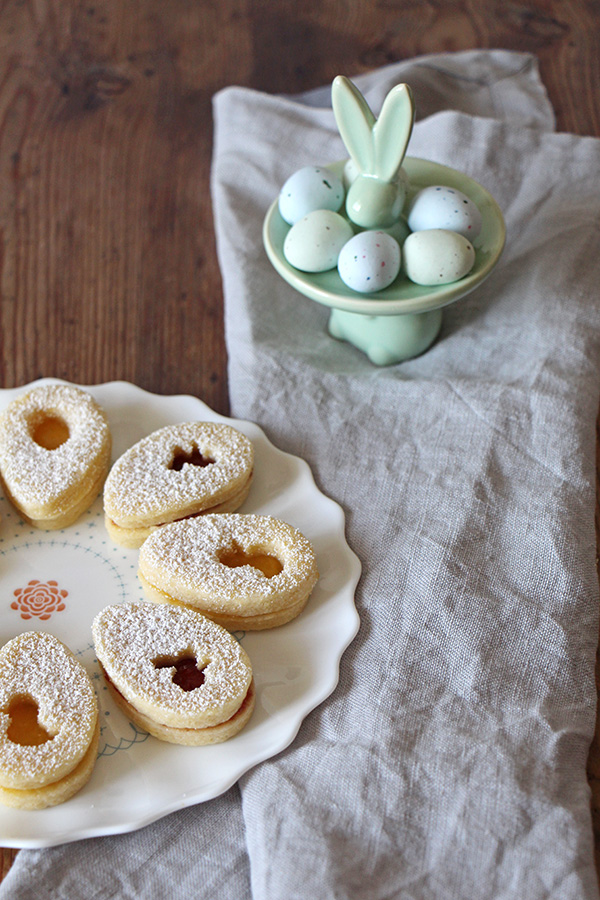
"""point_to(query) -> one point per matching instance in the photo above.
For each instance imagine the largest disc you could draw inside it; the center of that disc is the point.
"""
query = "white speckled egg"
(444, 207)
(310, 188)
(313, 244)
(437, 256)
(370, 261)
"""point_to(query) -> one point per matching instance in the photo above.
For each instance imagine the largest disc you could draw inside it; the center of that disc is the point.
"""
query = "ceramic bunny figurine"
(377, 147)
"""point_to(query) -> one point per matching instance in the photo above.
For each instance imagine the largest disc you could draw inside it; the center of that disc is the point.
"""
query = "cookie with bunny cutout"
(55, 446)
(174, 673)
(49, 726)
(176, 472)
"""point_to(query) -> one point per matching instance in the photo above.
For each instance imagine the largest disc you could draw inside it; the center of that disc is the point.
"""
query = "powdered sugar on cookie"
(133, 641)
(190, 562)
(178, 471)
(46, 484)
(36, 666)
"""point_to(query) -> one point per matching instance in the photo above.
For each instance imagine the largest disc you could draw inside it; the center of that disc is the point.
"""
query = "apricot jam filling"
(268, 565)
(24, 727)
(50, 432)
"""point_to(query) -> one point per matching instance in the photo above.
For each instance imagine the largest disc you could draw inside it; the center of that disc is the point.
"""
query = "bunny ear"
(355, 122)
(392, 131)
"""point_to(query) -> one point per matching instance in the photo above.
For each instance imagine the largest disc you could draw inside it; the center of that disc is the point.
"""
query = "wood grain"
(108, 266)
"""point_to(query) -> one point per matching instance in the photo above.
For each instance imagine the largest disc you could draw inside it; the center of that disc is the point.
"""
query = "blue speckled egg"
(308, 189)
(444, 207)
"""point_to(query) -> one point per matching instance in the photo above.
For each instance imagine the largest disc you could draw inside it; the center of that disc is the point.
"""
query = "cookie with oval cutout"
(244, 571)
(174, 673)
(55, 446)
(176, 472)
(49, 725)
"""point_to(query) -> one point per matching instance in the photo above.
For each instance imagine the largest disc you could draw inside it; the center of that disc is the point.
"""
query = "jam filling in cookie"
(49, 726)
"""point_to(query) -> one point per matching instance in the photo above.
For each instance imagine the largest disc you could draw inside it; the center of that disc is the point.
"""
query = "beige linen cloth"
(449, 764)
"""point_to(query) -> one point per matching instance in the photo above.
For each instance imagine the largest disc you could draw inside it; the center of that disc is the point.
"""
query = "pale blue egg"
(308, 189)
(438, 206)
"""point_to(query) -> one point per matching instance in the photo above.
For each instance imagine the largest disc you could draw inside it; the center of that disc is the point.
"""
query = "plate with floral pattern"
(56, 581)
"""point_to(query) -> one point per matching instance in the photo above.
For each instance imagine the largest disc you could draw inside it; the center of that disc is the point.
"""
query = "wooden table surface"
(107, 253)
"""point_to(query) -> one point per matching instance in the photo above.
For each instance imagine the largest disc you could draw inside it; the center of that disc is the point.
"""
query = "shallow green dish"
(416, 309)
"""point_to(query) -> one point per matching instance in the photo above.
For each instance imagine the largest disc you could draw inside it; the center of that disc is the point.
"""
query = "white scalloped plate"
(138, 779)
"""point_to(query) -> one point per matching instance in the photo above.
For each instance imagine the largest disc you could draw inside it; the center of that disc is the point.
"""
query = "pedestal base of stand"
(387, 339)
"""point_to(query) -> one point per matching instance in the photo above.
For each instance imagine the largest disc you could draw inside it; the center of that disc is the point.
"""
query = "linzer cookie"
(246, 572)
(174, 673)
(176, 472)
(48, 722)
(55, 446)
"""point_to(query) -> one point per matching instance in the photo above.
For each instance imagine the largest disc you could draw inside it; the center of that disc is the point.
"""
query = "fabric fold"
(454, 763)
(489, 83)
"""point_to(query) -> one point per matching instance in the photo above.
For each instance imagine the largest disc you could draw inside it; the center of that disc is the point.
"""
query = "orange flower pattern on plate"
(39, 599)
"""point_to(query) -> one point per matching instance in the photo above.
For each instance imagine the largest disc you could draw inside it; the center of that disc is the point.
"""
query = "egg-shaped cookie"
(247, 572)
(49, 726)
(175, 472)
(174, 673)
(55, 446)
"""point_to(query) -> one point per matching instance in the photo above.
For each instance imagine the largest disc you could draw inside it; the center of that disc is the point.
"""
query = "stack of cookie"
(171, 665)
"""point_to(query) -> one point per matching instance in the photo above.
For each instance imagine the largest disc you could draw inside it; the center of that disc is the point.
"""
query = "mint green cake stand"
(403, 320)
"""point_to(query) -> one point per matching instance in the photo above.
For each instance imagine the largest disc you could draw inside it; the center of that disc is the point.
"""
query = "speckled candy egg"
(437, 256)
(444, 207)
(310, 188)
(313, 244)
(370, 261)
